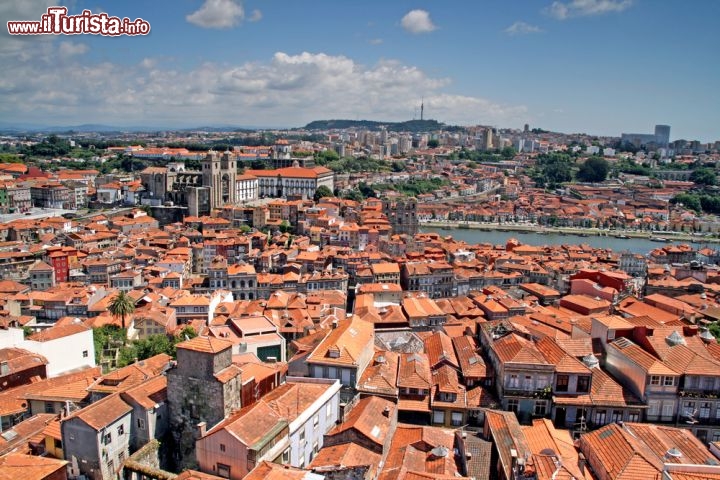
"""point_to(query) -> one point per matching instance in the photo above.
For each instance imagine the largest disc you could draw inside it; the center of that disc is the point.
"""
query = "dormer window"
(334, 352)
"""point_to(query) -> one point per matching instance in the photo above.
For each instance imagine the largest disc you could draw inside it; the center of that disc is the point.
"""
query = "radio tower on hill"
(422, 108)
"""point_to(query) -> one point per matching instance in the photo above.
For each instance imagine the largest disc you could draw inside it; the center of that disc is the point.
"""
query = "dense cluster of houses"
(351, 346)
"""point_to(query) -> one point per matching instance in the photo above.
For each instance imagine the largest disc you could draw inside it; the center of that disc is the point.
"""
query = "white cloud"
(522, 28)
(148, 62)
(581, 8)
(217, 14)
(285, 90)
(255, 16)
(68, 48)
(417, 21)
(25, 10)
(375, 41)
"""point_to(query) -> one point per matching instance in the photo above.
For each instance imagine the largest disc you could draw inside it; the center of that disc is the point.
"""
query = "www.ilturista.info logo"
(57, 22)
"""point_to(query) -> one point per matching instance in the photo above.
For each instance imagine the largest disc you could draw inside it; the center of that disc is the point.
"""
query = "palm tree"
(121, 306)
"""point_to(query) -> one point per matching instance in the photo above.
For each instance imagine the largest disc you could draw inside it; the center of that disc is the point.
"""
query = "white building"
(282, 182)
(66, 347)
(246, 188)
(285, 426)
(307, 430)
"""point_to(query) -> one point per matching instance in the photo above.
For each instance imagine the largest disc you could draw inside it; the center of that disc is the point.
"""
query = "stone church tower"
(220, 175)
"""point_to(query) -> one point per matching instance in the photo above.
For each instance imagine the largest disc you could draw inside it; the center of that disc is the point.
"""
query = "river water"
(634, 245)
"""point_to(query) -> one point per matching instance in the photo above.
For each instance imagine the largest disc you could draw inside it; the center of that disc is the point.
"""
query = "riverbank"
(659, 237)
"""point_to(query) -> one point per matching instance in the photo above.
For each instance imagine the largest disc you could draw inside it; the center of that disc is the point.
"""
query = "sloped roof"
(345, 344)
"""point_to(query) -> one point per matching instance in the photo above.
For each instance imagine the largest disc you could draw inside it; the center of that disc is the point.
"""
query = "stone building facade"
(203, 389)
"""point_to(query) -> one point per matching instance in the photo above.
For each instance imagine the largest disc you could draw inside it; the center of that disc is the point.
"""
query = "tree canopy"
(552, 169)
(594, 169)
(322, 191)
(704, 176)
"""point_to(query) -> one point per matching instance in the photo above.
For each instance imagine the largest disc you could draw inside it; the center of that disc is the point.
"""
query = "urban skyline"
(224, 62)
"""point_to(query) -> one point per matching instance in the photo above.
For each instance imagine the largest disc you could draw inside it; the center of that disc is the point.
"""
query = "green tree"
(326, 156)
(508, 153)
(285, 226)
(354, 195)
(715, 330)
(433, 143)
(10, 158)
(366, 191)
(322, 191)
(397, 166)
(704, 176)
(121, 306)
(104, 336)
(552, 169)
(595, 169)
(258, 164)
(186, 333)
(688, 200)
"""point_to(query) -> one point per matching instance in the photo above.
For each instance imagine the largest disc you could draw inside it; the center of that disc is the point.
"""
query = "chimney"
(386, 411)
(581, 462)
(690, 330)
(201, 429)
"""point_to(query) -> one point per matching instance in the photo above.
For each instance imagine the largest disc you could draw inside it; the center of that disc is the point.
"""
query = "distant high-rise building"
(659, 139)
(485, 140)
(662, 135)
(405, 143)
(527, 128)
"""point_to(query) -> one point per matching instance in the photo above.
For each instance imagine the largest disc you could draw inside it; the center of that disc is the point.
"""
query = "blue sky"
(596, 66)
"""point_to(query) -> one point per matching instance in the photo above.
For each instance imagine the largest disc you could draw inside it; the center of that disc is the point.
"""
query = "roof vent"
(440, 451)
(591, 361)
(706, 336)
(675, 339)
(673, 453)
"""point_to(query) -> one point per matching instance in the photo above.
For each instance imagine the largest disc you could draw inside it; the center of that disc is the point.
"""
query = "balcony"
(699, 393)
(539, 393)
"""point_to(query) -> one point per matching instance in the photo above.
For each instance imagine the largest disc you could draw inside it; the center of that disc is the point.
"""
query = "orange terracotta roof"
(380, 377)
(60, 331)
(343, 456)
(265, 471)
(30, 467)
(102, 413)
(372, 417)
(345, 344)
(414, 371)
(205, 344)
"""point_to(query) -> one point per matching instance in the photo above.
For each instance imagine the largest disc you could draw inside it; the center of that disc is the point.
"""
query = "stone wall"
(145, 464)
